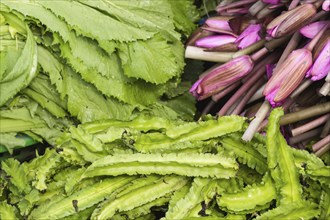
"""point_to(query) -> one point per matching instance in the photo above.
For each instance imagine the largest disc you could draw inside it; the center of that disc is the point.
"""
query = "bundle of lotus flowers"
(266, 54)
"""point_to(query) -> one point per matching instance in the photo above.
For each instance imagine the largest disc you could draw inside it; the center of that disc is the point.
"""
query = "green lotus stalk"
(305, 113)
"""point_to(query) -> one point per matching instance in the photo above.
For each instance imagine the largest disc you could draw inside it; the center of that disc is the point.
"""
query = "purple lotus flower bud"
(218, 23)
(288, 76)
(290, 21)
(326, 5)
(249, 36)
(214, 41)
(311, 30)
(321, 66)
(273, 2)
(221, 76)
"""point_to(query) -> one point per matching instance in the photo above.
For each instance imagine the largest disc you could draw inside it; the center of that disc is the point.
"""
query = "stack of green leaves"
(151, 168)
(81, 61)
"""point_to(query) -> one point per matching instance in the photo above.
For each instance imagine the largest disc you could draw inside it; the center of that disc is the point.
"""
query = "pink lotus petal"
(214, 41)
(273, 2)
(321, 66)
(218, 23)
(249, 36)
(326, 5)
(309, 72)
(249, 40)
(311, 30)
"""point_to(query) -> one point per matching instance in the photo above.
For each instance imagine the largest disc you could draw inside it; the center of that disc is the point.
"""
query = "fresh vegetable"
(104, 91)
(98, 171)
(85, 69)
(243, 81)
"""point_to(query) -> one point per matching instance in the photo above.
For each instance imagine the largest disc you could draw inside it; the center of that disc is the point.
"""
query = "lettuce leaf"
(25, 69)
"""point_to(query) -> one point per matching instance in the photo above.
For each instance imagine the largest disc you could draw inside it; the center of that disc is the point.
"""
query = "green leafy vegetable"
(182, 164)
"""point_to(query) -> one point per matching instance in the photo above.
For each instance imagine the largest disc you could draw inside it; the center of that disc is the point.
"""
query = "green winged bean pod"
(193, 164)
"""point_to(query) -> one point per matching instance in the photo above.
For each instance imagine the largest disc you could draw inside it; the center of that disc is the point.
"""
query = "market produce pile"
(99, 85)
(118, 59)
(269, 53)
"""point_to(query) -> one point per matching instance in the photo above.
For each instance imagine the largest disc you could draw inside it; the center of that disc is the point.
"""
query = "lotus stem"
(233, 107)
(218, 96)
(257, 7)
(259, 117)
(224, 92)
(257, 95)
(318, 145)
(293, 43)
(264, 12)
(250, 49)
(305, 136)
(326, 129)
(275, 43)
(260, 53)
(310, 125)
(323, 150)
(289, 101)
(325, 89)
(246, 98)
(312, 44)
(197, 53)
(305, 113)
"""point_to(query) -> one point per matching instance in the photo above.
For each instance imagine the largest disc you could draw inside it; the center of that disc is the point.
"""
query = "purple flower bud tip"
(273, 2)
(321, 66)
(311, 30)
(218, 23)
(194, 89)
(271, 96)
(249, 36)
(214, 41)
(326, 5)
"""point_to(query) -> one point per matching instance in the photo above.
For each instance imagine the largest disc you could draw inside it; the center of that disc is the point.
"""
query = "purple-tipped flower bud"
(222, 76)
(219, 23)
(311, 30)
(321, 66)
(291, 21)
(326, 5)
(273, 2)
(249, 36)
(214, 41)
(288, 76)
